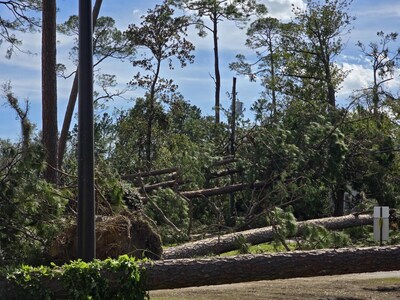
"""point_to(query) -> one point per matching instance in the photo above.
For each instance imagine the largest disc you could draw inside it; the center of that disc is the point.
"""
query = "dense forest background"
(302, 153)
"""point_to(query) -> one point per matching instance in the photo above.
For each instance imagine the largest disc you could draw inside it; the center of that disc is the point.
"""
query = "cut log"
(150, 173)
(169, 274)
(228, 242)
(226, 160)
(180, 273)
(151, 187)
(224, 190)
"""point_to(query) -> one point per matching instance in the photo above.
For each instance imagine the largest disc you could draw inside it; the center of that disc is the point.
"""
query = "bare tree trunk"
(228, 242)
(169, 274)
(150, 173)
(67, 120)
(72, 100)
(49, 90)
(224, 190)
(216, 69)
(273, 76)
(197, 272)
(149, 131)
(151, 115)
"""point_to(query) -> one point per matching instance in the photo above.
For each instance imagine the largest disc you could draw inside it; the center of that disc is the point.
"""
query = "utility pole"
(86, 193)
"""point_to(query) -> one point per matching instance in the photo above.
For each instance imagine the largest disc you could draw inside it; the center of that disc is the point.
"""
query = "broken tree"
(178, 273)
(228, 242)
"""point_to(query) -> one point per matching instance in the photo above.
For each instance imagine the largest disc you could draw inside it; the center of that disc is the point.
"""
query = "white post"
(381, 224)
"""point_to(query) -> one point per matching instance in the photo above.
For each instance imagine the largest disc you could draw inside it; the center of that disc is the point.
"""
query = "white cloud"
(361, 77)
(388, 10)
(282, 9)
(358, 78)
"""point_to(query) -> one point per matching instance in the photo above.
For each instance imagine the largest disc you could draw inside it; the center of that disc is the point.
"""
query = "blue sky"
(195, 83)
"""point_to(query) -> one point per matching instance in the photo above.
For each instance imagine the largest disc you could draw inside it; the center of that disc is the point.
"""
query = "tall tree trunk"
(67, 120)
(72, 100)
(149, 131)
(228, 242)
(216, 69)
(375, 100)
(151, 114)
(49, 90)
(332, 96)
(273, 77)
(328, 80)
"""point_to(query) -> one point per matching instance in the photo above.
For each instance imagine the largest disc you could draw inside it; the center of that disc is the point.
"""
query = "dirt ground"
(379, 286)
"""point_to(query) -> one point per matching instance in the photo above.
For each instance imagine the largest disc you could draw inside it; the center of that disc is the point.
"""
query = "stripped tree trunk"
(224, 190)
(197, 272)
(228, 242)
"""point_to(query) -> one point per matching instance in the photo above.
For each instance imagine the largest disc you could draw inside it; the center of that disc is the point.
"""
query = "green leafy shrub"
(121, 278)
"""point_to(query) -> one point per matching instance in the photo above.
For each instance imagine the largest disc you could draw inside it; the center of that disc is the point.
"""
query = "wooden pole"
(86, 188)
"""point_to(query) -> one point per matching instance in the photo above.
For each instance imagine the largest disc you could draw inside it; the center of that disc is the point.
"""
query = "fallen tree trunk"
(225, 161)
(228, 242)
(224, 190)
(197, 272)
(169, 274)
(151, 187)
(149, 173)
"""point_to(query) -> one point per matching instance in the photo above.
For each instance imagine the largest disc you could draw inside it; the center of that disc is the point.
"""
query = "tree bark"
(151, 114)
(216, 68)
(224, 190)
(49, 90)
(338, 200)
(242, 268)
(273, 75)
(156, 186)
(228, 242)
(150, 173)
(169, 274)
(67, 120)
(225, 161)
